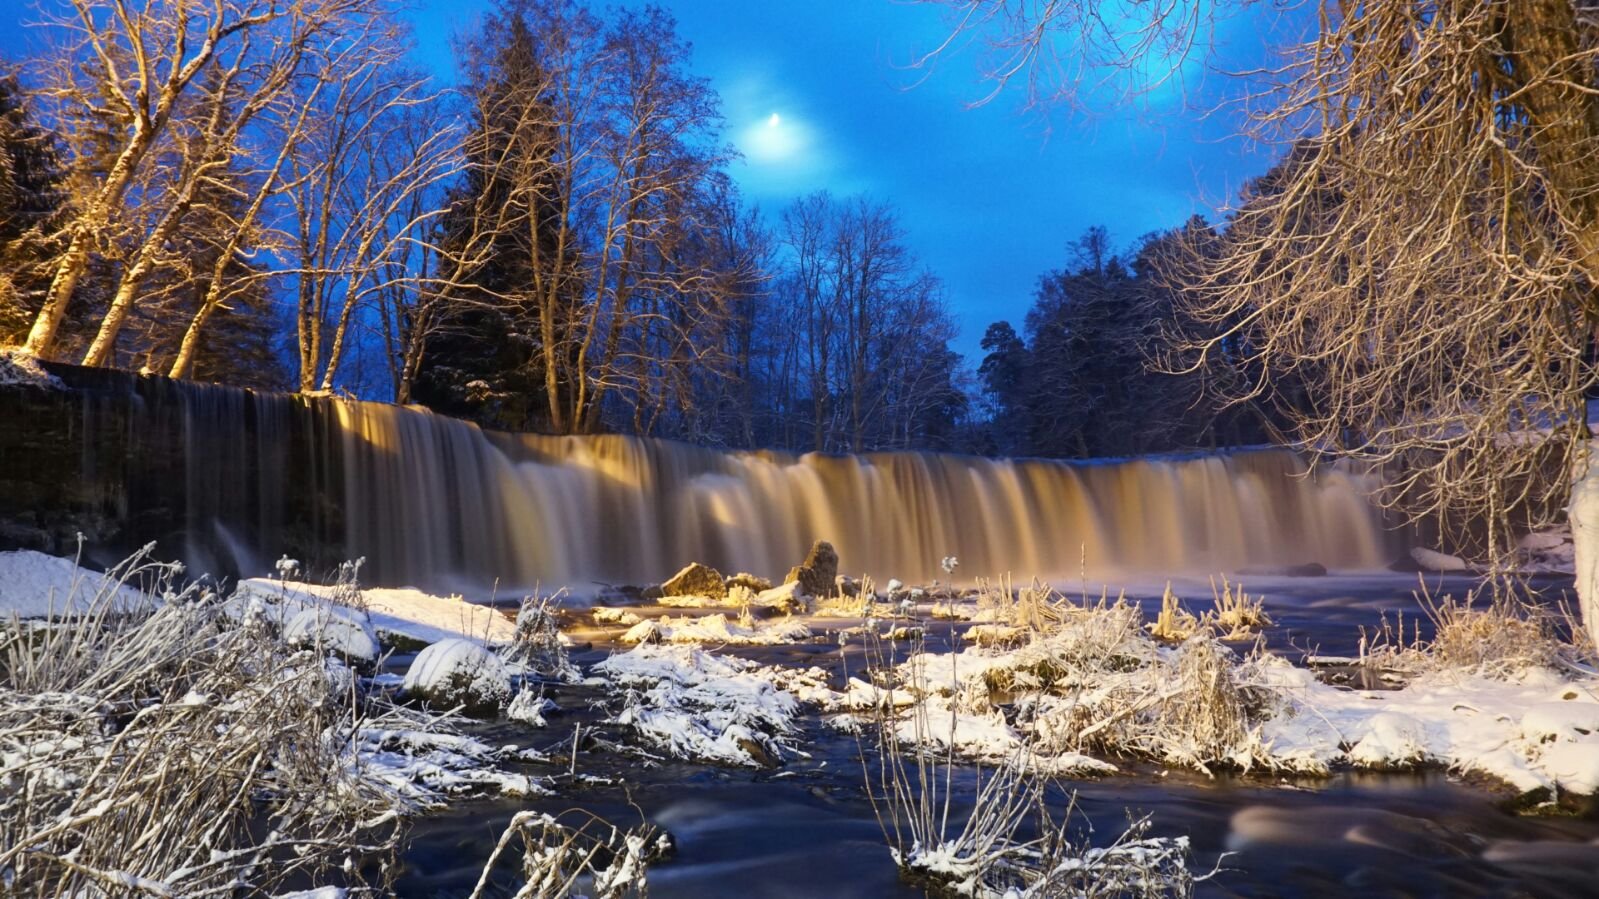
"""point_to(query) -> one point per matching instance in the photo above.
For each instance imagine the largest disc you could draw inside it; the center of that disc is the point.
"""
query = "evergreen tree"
(486, 364)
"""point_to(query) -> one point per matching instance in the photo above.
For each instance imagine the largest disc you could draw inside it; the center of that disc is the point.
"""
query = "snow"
(530, 707)
(615, 615)
(425, 765)
(1518, 731)
(404, 611)
(345, 631)
(459, 668)
(691, 704)
(18, 368)
(715, 629)
(1432, 560)
(35, 585)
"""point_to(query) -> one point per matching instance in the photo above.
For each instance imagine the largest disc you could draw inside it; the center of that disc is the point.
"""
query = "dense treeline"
(264, 193)
(1101, 367)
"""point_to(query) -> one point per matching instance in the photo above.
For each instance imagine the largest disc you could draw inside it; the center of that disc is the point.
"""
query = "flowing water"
(434, 501)
(241, 477)
(806, 830)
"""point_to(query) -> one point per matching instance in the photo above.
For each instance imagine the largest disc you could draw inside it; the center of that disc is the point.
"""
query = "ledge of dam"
(229, 480)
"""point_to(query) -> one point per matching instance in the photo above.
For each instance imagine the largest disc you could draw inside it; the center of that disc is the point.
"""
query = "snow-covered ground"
(34, 585)
(404, 611)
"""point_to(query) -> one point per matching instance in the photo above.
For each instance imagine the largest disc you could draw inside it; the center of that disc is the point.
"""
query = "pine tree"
(486, 365)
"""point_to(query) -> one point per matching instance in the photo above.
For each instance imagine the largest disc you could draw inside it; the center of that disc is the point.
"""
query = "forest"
(271, 195)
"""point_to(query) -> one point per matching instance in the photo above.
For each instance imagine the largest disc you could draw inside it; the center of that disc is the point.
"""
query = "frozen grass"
(176, 748)
(1008, 842)
(1173, 624)
(592, 858)
(1093, 680)
(1497, 638)
(1237, 615)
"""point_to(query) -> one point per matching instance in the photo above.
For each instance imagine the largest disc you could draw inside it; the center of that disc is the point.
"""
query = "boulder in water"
(1308, 569)
(1443, 563)
(696, 580)
(788, 599)
(818, 573)
(460, 673)
(754, 583)
(343, 631)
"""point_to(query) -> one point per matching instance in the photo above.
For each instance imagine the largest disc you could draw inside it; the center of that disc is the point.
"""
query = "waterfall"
(230, 479)
(427, 494)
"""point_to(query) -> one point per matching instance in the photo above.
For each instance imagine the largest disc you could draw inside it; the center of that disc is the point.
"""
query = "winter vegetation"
(156, 740)
(551, 247)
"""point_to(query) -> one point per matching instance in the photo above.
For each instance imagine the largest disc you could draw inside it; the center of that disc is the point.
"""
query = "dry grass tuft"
(1173, 624)
(1501, 638)
(559, 860)
(1237, 616)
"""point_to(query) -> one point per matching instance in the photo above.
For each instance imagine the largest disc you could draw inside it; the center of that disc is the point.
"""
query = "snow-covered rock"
(1432, 560)
(404, 611)
(715, 629)
(615, 615)
(462, 673)
(343, 631)
(789, 599)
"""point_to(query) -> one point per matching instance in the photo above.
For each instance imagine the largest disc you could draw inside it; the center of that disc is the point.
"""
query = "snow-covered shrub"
(537, 647)
(136, 748)
(690, 704)
(558, 858)
(460, 674)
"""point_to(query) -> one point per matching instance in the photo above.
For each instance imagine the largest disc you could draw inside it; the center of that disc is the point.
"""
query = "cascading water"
(427, 494)
(231, 479)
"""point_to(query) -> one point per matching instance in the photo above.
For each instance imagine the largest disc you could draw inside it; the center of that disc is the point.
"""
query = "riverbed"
(805, 828)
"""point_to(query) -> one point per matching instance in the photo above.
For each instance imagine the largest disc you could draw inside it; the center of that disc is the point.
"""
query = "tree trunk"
(1583, 514)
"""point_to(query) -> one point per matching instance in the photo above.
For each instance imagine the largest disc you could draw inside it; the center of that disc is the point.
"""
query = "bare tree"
(868, 331)
(599, 148)
(379, 140)
(131, 65)
(1424, 262)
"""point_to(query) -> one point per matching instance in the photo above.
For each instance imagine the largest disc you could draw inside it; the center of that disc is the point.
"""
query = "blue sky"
(989, 197)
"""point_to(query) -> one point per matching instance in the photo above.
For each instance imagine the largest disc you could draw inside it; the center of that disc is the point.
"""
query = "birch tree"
(132, 65)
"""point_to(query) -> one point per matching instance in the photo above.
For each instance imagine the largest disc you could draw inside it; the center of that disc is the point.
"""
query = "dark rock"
(818, 573)
(1309, 569)
(696, 580)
